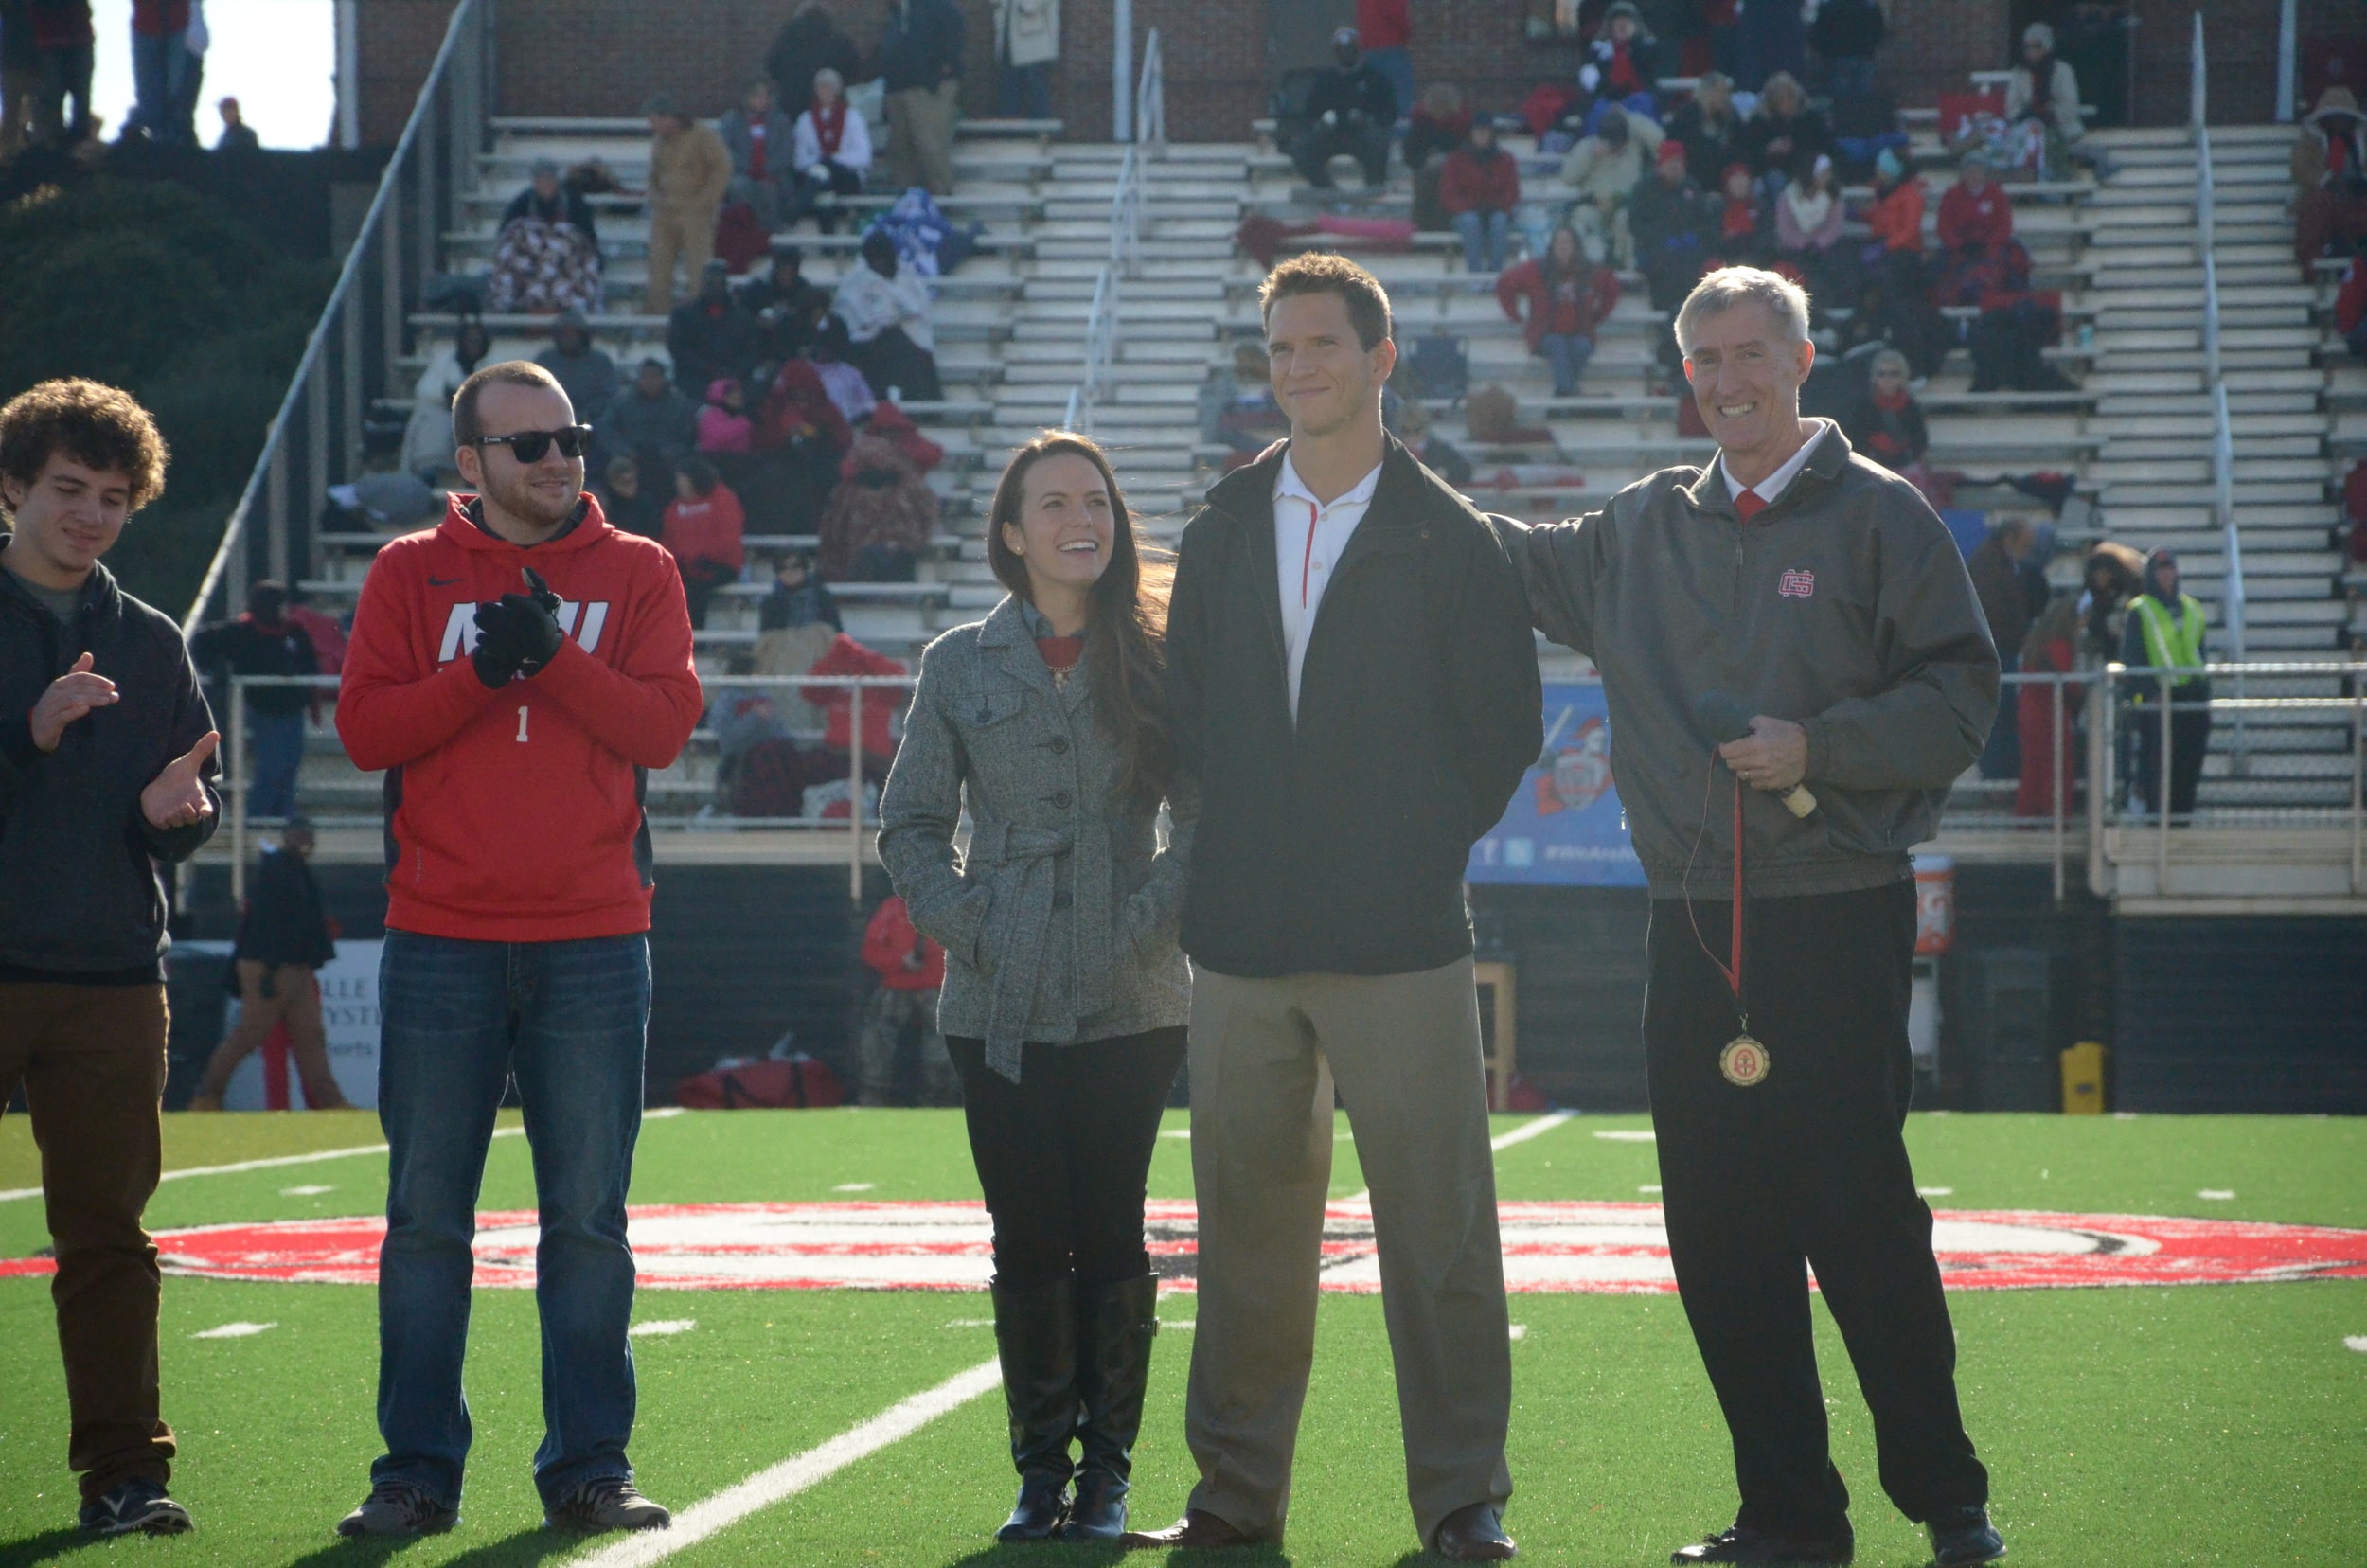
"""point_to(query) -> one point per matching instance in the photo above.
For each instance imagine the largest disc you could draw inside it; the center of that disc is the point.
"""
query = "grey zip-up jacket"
(1058, 921)
(1844, 606)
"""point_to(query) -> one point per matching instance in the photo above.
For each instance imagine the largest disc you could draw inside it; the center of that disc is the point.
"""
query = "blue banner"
(1565, 825)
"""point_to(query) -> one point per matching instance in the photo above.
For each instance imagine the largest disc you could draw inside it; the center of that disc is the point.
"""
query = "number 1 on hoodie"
(521, 723)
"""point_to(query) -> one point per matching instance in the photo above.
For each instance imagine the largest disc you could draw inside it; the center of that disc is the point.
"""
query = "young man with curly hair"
(107, 771)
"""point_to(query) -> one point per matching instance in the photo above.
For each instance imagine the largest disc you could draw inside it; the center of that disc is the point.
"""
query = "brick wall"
(397, 44)
(604, 57)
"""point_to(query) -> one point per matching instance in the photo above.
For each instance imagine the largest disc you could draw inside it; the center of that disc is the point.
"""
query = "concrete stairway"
(2154, 414)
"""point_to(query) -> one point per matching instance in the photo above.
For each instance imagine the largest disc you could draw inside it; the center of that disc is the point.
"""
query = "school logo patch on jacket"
(1797, 584)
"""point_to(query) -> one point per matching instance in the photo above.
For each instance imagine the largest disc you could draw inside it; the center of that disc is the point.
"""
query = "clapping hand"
(175, 798)
(518, 634)
(70, 696)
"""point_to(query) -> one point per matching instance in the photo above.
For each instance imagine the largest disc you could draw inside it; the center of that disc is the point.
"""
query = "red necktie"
(1749, 504)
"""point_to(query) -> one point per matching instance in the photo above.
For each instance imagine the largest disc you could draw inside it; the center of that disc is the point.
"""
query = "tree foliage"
(155, 288)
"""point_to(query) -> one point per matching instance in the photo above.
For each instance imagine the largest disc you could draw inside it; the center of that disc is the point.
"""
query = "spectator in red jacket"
(2350, 307)
(1976, 214)
(1566, 296)
(157, 28)
(845, 657)
(1478, 190)
(706, 528)
(517, 672)
(63, 40)
(911, 971)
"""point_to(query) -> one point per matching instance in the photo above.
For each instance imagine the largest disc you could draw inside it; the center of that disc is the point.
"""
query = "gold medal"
(1743, 1062)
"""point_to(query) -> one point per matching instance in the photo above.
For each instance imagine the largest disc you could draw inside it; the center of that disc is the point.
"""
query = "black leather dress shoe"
(1196, 1531)
(1744, 1545)
(1965, 1538)
(1474, 1534)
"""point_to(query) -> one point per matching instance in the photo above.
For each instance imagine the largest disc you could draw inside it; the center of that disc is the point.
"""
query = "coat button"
(1058, 744)
(1061, 800)
(1062, 900)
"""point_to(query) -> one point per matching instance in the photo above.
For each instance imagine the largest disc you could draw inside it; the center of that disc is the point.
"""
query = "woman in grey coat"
(1065, 995)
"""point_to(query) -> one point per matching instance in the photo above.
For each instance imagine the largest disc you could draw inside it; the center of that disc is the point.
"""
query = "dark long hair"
(1126, 627)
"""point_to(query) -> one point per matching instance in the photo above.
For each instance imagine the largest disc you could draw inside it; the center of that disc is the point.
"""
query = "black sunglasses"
(527, 446)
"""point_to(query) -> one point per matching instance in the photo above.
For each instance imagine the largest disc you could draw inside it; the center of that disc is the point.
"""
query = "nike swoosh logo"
(441, 582)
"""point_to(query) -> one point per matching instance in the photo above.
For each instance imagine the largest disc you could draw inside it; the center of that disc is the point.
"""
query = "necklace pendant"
(1743, 1063)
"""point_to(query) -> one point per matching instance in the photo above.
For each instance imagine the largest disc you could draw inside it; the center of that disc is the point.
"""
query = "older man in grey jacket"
(1800, 590)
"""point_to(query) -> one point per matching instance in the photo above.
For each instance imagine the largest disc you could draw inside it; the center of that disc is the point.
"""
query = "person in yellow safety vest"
(2167, 631)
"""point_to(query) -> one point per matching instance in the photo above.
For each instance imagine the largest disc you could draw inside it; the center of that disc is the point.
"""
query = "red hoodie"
(1968, 218)
(515, 816)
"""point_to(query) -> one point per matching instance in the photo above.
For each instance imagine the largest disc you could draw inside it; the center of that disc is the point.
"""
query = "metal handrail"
(236, 778)
(452, 105)
(2231, 594)
(1126, 233)
(1151, 99)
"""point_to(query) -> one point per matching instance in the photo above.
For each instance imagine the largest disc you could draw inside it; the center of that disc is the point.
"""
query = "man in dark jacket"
(1349, 108)
(106, 769)
(711, 335)
(284, 937)
(1347, 763)
(809, 43)
(788, 309)
(651, 422)
(920, 68)
(586, 374)
(265, 642)
(1797, 589)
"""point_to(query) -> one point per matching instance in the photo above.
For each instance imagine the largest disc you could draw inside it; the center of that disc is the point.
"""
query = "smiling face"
(539, 495)
(1067, 522)
(1322, 378)
(1746, 372)
(1890, 379)
(69, 516)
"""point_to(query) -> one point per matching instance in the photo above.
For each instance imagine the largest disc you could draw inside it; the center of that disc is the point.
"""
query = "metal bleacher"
(1015, 324)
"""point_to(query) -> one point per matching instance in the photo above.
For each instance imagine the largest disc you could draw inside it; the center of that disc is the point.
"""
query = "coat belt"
(1018, 863)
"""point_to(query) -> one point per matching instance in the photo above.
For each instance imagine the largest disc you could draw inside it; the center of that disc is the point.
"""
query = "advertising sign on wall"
(348, 1014)
(1565, 825)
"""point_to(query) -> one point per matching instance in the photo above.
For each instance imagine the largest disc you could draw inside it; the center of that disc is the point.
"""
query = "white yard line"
(793, 1475)
(314, 1158)
(1519, 1134)
(816, 1465)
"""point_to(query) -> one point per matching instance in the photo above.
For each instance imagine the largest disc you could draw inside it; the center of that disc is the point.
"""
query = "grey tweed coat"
(1058, 921)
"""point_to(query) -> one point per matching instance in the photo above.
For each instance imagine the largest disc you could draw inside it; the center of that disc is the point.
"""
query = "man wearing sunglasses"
(516, 673)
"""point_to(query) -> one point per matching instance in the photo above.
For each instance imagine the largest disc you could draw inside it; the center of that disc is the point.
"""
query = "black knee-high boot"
(1116, 1325)
(1036, 1332)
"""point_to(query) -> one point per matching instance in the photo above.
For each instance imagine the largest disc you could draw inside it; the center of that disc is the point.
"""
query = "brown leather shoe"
(1196, 1531)
(1474, 1534)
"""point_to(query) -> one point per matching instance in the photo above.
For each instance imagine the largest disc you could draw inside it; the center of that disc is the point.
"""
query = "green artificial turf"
(2208, 1424)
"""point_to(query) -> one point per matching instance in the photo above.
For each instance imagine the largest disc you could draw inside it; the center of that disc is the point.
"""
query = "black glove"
(517, 634)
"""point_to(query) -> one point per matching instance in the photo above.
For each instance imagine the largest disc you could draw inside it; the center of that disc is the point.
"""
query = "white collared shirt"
(1307, 538)
(1774, 486)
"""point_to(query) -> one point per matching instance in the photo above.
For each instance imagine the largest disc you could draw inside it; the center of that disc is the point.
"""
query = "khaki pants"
(294, 1000)
(91, 1060)
(687, 234)
(1404, 1051)
(920, 137)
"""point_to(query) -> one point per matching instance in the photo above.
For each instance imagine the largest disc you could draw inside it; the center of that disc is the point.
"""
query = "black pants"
(897, 368)
(2190, 743)
(1805, 1168)
(1311, 148)
(1064, 1154)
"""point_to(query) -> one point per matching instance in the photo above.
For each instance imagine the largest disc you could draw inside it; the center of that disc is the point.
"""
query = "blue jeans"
(1484, 235)
(1024, 92)
(1397, 67)
(153, 61)
(1848, 74)
(1566, 353)
(569, 1020)
(275, 752)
